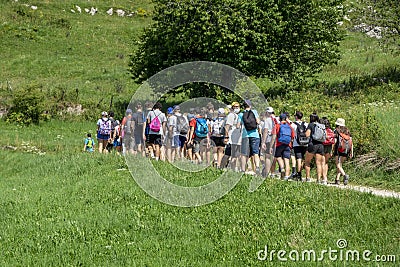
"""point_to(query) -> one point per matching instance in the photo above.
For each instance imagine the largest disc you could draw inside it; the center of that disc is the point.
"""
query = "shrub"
(27, 106)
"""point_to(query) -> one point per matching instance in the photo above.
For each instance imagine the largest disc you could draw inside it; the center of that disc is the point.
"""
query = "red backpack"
(345, 143)
(330, 137)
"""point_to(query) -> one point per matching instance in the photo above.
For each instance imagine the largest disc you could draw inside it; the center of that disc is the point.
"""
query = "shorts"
(182, 141)
(138, 139)
(155, 139)
(327, 149)
(315, 149)
(197, 142)
(129, 142)
(175, 141)
(232, 150)
(117, 142)
(299, 151)
(250, 146)
(103, 136)
(218, 141)
(337, 153)
(282, 151)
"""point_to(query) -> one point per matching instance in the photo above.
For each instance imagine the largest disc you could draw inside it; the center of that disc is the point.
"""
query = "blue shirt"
(251, 133)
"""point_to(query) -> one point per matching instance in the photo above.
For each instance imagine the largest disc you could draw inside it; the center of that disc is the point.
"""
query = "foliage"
(27, 106)
(379, 15)
(283, 40)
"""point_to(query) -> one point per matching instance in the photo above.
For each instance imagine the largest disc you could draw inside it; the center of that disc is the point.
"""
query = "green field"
(62, 207)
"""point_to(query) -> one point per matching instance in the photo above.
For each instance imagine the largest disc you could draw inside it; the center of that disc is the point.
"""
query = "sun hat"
(247, 102)
(340, 122)
(270, 110)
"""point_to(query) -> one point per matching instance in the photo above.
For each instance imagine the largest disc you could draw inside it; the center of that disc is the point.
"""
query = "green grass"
(66, 207)
(78, 209)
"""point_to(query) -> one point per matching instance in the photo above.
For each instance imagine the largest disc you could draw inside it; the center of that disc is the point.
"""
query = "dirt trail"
(371, 190)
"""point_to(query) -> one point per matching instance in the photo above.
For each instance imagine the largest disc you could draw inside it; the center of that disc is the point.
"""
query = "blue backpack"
(201, 127)
(285, 133)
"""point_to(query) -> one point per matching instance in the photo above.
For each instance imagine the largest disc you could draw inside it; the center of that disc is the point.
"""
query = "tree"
(278, 39)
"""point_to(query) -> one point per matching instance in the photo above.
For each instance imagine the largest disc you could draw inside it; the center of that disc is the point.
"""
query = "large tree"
(278, 39)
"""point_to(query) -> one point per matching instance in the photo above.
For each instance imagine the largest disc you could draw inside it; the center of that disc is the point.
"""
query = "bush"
(27, 107)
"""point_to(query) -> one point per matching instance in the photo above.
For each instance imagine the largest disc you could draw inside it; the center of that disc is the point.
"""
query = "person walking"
(343, 149)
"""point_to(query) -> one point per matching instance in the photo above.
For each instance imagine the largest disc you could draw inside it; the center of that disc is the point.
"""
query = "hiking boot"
(308, 180)
(337, 182)
(346, 179)
(258, 171)
(324, 182)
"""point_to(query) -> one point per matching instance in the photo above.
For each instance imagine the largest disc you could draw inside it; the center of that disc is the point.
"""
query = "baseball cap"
(247, 102)
(270, 110)
(282, 117)
(104, 113)
(221, 111)
(177, 107)
(170, 110)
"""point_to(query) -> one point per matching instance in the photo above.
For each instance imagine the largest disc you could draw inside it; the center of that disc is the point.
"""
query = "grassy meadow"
(62, 207)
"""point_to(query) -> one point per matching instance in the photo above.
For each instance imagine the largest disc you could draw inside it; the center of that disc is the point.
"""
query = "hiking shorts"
(282, 151)
(138, 139)
(250, 146)
(315, 149)
(129, 142)
(175, 141)
(327, 149)
(197, 142)
(218, 141)
(155, 139)
(182, 141)
(299, 151)
(103, 136)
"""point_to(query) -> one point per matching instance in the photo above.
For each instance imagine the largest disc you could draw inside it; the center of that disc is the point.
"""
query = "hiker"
(182, 130)
(218, 136)
(268, 140)
(117, 137)
(199, 137)
(233, 137)
(89, 144)
(328, 146)
(249, 120)
(128, 128)
(284, 140)
(113, 122)
(292, 155)
(138, 118)
(147, 146)
(157, 124)
(300, 143)
(103, 132)
(317, 134)
(172, 138)
(343, 149)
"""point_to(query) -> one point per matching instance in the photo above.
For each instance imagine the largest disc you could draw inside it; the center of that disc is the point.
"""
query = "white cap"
(270, 110)
(221, 111)
(104, 113)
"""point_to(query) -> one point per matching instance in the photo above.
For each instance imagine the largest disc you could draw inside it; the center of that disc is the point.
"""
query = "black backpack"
(301, 134)
(249, 120)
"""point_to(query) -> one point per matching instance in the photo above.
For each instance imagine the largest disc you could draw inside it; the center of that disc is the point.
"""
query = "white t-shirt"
(161, 116)
(235, 135)
(269, 125)
(172, 121)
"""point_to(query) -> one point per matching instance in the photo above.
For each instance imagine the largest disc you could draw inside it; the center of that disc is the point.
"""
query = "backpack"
(249, 120)
(129, 126)
(139, 118)
(182, 125)
(89, 143)
(319, 133)
(345, 143)
(330, 137)
(155, 124)
(218, 127)
(301, 137)
(285, 133)
(201, 127)
(105, 127)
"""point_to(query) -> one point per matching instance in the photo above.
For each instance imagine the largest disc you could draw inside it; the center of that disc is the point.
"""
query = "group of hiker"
(235, 137)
